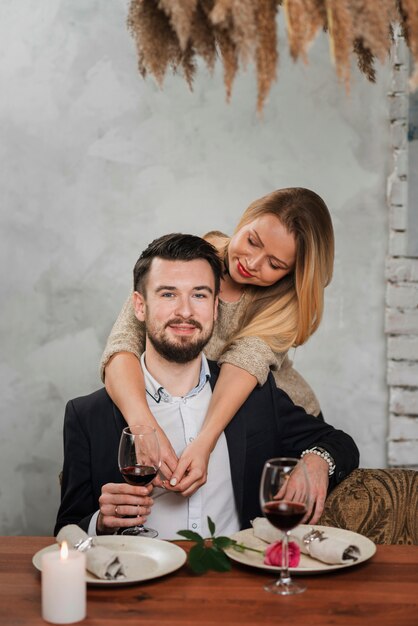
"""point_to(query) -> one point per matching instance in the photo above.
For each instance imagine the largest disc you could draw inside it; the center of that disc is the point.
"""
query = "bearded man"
(176, 286)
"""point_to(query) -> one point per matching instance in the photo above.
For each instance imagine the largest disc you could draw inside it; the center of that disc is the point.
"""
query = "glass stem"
(284, 572)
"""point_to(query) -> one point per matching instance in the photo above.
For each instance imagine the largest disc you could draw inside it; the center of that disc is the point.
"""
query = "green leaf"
(209, 554)
(190, 535)
(217, 560)
(212, 526)
(197, 559)
(223, 542)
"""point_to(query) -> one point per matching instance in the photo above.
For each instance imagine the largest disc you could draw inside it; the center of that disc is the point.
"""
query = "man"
(176, 282)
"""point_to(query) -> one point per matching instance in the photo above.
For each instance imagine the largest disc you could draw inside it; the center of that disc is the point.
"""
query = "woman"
(276, 266)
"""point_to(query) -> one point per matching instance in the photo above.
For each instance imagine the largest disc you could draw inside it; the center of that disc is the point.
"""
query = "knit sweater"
(249, 353)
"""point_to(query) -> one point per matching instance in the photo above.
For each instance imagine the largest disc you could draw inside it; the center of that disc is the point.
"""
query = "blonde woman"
(276, 266)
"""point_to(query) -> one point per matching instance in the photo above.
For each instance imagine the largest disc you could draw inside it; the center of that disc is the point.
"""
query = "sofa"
(381, 504)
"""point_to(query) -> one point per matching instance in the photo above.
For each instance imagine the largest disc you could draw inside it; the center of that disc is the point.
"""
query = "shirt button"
(191, 439)
(194, 525)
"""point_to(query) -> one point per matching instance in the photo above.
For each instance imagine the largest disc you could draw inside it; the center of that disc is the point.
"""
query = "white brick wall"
(398, 217)
(398, 131)
(401, 323)
(400, 162)
(403, 295)
(403, 347)
(403, 454)
(402, 270)
(403, 427)
(403, 373)
(397, 243)
(403, 401)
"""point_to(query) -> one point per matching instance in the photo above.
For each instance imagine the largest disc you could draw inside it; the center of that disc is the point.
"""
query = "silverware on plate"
(351, 553)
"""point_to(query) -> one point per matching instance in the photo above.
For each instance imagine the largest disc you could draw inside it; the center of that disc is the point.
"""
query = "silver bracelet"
(324, 454)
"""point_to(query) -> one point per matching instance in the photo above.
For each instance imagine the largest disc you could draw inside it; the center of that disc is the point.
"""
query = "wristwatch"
(324, 454)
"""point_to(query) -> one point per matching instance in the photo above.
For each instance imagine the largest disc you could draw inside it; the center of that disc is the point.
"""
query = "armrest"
(381, 504)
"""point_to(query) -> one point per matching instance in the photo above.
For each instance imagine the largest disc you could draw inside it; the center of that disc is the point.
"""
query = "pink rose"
(273, 555)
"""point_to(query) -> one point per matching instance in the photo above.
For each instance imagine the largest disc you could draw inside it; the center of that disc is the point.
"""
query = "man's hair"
(177, 247)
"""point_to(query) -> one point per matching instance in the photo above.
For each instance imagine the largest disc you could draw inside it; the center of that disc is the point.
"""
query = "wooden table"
(382, 591)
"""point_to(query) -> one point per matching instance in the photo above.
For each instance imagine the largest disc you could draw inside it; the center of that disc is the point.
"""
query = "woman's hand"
(192, 469)
(118, 500)
(169, 460)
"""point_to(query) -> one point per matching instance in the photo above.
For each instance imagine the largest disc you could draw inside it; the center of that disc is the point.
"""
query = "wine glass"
(281, 477)
(139, 462)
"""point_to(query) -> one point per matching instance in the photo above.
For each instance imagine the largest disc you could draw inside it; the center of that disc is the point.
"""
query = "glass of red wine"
(284, 496)
(139, 462)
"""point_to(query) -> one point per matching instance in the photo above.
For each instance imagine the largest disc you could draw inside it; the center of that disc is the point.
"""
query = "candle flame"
(64, 551)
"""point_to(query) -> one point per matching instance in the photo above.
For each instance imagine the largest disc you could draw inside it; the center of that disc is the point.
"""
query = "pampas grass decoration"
(365, 59)
(156, 42)
(172, 33)
(409, 14)
(180, 13)
(376, 37)
(221, 12)
(202, 37)
(266, 54)
(229, 59)
(340, 24)
(303, 20)
(245, 29)
(189, 66)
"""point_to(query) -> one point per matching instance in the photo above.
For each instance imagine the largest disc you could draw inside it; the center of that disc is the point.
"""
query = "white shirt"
(181, 418)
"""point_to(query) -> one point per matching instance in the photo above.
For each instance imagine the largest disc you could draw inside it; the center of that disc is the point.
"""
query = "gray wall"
(96, 162)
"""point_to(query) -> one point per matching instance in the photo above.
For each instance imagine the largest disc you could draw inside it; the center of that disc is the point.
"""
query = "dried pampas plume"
(180, 14)
(409, 16)
(303, 20)
(173, 33)
(266, 52)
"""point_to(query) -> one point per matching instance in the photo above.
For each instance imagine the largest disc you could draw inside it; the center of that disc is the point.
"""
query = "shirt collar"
(157, 391)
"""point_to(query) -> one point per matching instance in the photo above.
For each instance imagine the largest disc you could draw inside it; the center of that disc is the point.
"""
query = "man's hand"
(317, 470)
(192, 469)
(295, 489)
(120, 499)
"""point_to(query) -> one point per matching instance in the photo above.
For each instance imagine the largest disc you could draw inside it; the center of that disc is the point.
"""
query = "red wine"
(284, 515)
(139, 475)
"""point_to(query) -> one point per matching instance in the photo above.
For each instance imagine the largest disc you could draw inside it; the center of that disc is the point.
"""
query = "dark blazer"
(268, 425)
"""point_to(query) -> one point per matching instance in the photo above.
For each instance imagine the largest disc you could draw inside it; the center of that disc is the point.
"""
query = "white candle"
(64, 586)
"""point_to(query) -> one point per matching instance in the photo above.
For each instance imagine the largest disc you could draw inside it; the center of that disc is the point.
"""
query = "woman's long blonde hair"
(288, 312)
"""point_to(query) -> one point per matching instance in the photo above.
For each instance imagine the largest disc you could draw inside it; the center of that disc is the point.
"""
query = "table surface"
(381, 591)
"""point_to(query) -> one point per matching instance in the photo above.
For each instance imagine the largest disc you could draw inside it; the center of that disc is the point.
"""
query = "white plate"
(307, 565)
(143, 558)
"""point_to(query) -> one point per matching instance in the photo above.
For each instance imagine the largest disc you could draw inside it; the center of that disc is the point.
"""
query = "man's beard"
(182, 350)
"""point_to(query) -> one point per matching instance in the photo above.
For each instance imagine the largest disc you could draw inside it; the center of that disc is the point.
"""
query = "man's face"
(179, 307)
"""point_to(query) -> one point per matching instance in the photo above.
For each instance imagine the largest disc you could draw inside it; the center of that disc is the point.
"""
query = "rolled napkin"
(100, 561)
(314, 543)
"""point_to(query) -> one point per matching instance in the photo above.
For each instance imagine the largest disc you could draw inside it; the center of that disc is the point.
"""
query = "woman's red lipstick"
(243, 271)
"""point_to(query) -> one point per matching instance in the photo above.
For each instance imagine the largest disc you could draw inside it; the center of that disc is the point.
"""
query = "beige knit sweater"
(250, 353)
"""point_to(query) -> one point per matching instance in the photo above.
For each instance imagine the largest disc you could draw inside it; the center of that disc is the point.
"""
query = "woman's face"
(261, 252)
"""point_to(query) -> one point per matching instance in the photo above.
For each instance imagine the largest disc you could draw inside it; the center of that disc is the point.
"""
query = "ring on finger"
(116, 511)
